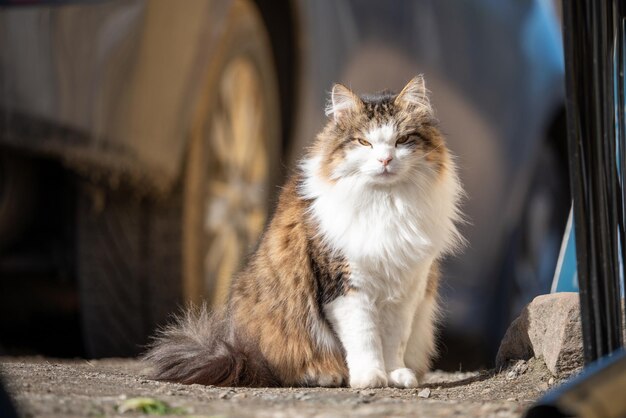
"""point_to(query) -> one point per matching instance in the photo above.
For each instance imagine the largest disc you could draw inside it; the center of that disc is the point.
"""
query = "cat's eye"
(364, 142)
(406, 138)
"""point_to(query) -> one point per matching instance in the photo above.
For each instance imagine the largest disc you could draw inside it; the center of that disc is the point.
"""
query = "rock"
(549, 328)
(303, 396)
(518, 369)
(424, 393)
(226, 394)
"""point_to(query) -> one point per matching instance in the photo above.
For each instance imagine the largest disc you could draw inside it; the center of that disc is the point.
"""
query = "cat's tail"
(202, 347)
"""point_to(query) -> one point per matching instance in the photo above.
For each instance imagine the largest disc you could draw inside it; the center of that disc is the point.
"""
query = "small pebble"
(512, 400)
(240, 396)
(424, 393)
(518, 369)
(551, 381)
(225, 394)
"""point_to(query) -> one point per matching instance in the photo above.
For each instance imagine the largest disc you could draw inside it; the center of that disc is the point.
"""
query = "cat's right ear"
(415, 95)
(342, 102)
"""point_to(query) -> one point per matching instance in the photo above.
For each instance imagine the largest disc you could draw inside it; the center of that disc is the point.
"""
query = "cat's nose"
(385, 161)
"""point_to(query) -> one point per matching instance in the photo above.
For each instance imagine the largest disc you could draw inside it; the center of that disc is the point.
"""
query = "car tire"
(18, 196)
(142, 259)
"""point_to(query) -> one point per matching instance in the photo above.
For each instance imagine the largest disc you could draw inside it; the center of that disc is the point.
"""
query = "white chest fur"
(387, 231)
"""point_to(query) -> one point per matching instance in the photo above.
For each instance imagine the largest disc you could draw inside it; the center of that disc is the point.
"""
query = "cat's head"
(383, 138)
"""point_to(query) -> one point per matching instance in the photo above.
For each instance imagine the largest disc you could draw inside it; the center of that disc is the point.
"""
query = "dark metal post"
(593, 33)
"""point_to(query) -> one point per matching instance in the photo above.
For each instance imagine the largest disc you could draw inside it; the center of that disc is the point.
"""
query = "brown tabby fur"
(272, 302)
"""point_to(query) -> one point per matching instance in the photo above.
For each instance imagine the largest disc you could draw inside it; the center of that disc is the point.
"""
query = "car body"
(109, 88)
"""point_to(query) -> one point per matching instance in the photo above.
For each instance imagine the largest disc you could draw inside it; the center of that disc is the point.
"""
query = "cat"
(342, 289)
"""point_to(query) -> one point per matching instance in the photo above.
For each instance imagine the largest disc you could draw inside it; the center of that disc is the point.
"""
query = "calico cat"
(342, 289)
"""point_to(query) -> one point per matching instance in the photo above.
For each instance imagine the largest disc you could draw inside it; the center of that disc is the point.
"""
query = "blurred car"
(142, 143)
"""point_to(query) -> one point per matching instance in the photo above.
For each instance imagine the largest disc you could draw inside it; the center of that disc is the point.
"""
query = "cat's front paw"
(402, 378)
(368, 378)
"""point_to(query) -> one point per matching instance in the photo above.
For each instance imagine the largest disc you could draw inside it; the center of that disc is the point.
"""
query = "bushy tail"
(200, 347)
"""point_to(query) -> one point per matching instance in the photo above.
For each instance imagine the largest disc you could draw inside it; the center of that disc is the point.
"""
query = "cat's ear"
(342, 102)
(415, 95)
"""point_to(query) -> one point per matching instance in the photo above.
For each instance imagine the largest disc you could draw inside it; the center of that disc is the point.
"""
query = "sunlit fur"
(391, 223)
(343, 287)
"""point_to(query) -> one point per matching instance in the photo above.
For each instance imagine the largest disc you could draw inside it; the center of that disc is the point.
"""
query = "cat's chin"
(385, 177)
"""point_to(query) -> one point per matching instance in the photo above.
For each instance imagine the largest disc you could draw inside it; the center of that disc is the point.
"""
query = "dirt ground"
(44, 387)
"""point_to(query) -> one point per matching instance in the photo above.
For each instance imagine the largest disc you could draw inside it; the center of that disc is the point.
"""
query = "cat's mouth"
(385, 173)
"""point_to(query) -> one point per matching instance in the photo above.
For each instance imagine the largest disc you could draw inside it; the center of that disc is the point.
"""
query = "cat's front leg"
(354, 318)
(396, 325)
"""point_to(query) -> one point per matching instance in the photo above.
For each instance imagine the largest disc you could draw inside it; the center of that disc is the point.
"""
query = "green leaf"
(148, 406)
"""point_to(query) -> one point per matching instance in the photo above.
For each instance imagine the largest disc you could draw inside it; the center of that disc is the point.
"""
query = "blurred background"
(142, 143)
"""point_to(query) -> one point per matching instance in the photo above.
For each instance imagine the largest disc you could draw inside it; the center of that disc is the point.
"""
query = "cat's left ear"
(415, 95)
(342, 102)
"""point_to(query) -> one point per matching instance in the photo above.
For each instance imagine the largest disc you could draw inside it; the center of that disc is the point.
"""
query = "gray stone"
(518, 369)
(548, 328)
(424, 393)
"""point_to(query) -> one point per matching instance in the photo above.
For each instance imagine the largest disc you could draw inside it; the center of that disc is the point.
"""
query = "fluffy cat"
(343, 287)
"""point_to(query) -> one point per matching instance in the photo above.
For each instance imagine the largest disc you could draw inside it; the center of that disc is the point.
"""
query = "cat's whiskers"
(422, 157)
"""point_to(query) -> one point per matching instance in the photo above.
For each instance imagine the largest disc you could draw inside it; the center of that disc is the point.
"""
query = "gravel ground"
(43, 387)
